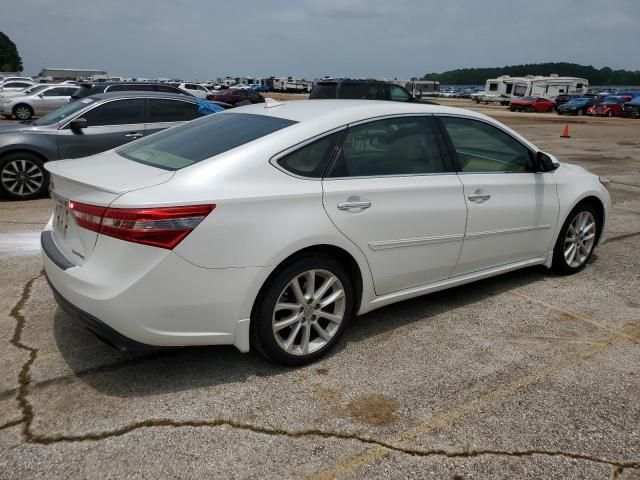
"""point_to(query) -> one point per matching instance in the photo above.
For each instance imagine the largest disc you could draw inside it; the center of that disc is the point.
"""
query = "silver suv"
(38, 102)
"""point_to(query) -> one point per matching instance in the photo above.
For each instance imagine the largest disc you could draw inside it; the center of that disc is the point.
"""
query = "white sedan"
(271, 225)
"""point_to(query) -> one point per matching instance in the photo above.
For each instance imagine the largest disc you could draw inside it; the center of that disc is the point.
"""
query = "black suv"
(87, 89)
(344, 88)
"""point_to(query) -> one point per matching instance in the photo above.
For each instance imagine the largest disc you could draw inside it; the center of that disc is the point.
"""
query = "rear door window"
(116, 112)
(190, 143)
(394, 146)
(165, 110)
(399, 94)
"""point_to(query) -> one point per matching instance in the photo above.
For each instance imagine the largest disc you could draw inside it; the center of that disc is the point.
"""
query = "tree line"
(596, 76)
(10, 61)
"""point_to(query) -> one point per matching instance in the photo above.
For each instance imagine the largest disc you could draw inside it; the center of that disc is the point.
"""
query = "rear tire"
(23, 111)
(297, 325)
(577, 240)
(529, 109)
(22, 176)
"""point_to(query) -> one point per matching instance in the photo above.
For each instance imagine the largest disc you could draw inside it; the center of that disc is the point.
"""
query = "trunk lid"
(96, 180)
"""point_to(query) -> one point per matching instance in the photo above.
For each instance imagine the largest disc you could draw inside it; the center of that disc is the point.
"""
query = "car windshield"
(36, 89)
(193, 142)
(578, 101)
(611, 100)
(64, 112)
(529, 99)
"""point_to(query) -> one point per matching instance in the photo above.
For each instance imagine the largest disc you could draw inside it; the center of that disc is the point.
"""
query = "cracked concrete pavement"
(527, 375)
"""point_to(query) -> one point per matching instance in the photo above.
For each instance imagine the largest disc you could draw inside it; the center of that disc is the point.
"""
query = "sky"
(204, 39)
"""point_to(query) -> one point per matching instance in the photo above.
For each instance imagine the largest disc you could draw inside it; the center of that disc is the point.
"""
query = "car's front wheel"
(22, 176)
(577, 240)
(303, 310)
(23, 112)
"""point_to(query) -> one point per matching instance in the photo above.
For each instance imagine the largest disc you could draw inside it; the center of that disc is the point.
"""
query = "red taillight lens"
(163, 227)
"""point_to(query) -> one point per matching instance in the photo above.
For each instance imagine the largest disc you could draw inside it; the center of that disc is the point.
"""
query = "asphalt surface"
(526, 375)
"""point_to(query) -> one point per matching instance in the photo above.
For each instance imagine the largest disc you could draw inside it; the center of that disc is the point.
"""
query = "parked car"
(194, 89)
(565, 97)
(360, 90)
(235, 96)
(38, 102)
(11, 79)
(87, 89)
(271, 227)
(631, 108)
(532, 104)
(15, 86)
(576, 106)
(611, 106)
(88, 126)
(27, 91)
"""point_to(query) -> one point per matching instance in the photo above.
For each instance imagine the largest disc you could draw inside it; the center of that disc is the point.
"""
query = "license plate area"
(61, 219)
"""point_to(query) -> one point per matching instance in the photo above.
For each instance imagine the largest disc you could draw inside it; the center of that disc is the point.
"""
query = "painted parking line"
(352, 463)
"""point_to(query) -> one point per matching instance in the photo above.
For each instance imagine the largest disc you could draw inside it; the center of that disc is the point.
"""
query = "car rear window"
(193, 142)
(324, 91)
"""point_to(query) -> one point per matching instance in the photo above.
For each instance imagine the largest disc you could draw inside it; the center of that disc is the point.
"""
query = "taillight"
(163, 227)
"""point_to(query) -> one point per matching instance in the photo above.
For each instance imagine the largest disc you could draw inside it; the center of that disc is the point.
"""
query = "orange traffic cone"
(565, 132)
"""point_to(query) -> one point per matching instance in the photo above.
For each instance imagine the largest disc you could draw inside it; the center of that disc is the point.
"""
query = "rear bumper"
(137, 297)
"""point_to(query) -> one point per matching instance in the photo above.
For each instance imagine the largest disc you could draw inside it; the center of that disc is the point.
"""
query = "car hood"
(23, 127)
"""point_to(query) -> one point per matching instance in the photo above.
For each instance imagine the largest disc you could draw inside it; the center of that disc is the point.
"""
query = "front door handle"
(361, 205)
(133, 135)
(479, 197)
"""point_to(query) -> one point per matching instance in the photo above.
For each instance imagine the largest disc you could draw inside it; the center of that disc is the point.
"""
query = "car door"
(51, 99)
(394, 194)
(168, 112)
(512, 209)
(110, 124)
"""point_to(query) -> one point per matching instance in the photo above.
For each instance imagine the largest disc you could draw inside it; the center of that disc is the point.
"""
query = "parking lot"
(526, 375)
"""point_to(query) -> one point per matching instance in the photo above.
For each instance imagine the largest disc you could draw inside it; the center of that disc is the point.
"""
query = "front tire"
(576, 240)
(22, 112)
(22, 176)
(303, 311)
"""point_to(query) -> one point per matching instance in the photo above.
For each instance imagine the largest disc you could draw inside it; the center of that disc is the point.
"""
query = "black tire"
(22, 111)
(529, 109)
(31, 178)
(560, 264)
(262, 336)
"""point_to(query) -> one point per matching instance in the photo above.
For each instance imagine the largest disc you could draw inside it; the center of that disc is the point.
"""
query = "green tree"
(10, 60)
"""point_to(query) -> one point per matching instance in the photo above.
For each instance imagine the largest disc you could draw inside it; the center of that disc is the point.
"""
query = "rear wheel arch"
(341, 255)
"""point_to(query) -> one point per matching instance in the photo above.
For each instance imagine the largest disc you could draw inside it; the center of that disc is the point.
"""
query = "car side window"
(398, 94)
(117, 112)
(54, 92)
(312, 159)
(481, 147)
(164, 110)
(395, 146)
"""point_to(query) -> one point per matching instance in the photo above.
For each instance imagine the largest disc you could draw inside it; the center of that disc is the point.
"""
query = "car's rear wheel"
(529, 109)
(22, 176)
(303, 310)
(577, 240)
(22, 112)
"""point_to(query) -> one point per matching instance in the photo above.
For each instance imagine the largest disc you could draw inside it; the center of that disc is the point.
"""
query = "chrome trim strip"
(505, 231)
(410, 242)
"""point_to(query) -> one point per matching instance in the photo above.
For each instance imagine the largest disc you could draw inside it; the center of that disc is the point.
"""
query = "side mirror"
(78, 124)
(41, 95)
(545, 163)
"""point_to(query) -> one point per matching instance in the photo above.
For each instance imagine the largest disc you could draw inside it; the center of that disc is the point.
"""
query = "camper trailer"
(421, 88)
(505, 88)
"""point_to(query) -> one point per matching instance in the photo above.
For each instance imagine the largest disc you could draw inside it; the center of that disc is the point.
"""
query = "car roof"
(141, 94)
(342, 112)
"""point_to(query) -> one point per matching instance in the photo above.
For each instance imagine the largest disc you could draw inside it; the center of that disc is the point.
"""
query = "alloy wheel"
(23, 113)
(308, 312)
(580, 239)
(22, 177)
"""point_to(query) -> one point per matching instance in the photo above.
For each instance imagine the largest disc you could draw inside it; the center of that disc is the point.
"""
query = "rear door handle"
(133, 135)
(362, 205)
(479, 197)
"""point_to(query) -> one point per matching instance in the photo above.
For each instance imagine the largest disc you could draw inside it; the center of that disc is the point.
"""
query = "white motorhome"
(505, 88)
(421, 88)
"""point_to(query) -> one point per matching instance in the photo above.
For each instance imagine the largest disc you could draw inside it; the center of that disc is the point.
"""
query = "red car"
(611, 106)
(235, 96)
(532, 104)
